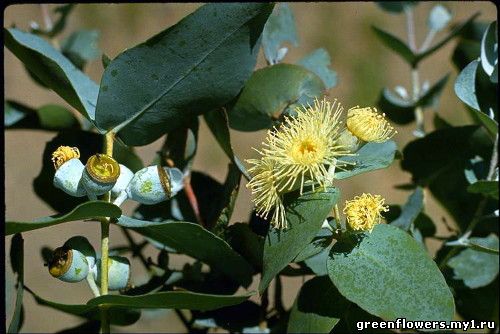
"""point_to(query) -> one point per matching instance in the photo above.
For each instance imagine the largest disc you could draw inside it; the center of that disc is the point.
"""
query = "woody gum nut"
(118, 272)
(68, 265)
(122, 182)
(67, 178)
(82, 245)
(100, 175)
(154, 184)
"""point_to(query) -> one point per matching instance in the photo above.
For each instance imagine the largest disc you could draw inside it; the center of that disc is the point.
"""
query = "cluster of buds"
(76, 260)
(102, 173)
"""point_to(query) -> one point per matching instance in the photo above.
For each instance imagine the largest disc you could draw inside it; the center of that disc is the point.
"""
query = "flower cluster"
(364, 212)
(306, 150)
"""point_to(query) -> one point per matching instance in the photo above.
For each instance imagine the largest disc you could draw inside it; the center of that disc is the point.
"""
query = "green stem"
(105, 327)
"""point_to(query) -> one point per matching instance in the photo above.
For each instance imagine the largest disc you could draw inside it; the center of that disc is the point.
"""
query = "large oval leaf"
(371, 156)
(305, 215)
(317, 308)
(86, 210)
(390, 275)
(269, 92)
(195, 241)
(54, 70)
(195, 66)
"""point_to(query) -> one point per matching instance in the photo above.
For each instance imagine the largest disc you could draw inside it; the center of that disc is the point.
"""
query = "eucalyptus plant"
(364, 260)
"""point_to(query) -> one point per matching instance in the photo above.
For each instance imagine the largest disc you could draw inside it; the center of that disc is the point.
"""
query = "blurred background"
(363, 65)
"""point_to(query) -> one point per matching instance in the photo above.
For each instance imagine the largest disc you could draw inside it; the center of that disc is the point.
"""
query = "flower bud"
(348, 141)
(118, 272)
(155, 184)
(68, 265)
(82, 245)
(69, 170)
(100, 175)
(123, 180)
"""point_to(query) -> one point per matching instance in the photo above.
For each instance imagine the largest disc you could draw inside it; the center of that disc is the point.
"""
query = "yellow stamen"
(63, 154)
(369, 125)
(364, 212)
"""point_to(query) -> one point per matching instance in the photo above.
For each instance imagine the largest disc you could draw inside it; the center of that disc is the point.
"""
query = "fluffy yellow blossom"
(369, 125)
(363, 212)
(298, 151)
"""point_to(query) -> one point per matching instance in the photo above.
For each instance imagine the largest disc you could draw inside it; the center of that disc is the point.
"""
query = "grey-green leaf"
(389, 265)
(465, 85)
(87, 210)
(488, 188)
(489, 49)
(318, 62)
(439, 17)
(410, 210)
(476, 268)
(54, 70)
(81, 47)
(17, 262)
(50, 117)
(154, 87)
(195, 241)
(279, 28)
(305, 215)
(269, 92)
(317, 308)
(396, 45)
(371, 156)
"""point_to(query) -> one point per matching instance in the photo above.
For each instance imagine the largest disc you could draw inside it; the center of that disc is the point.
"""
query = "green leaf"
(143, 99)
(195, 241)
(431, 97)
(269, 92)
(488, 188)
(49, 117)
(81, 47)
(54, 70)
(475, 268)
(217, 122)
(247, 243)
(321, 241)
(170, 299)
(317, 308)
(121, 316)
(305, 215)
(439, 17)
(231, 189)
(389, 265)
(478, 304)
(396, 45)
(88, 210)
(234, 318)
(317, 263)
(180, 146)
(466, 87)
(489, 46)
(318, 62)
(279, 28)
(17, 262)
(396, 7)
(60, 23)
(371, 156)
(438, 161)
(410, 210)
(398, 110)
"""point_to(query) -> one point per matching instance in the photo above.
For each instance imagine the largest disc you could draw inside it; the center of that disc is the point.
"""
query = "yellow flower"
(298, 151)
(363, 212)
(304, 145)
(264, 191)
(369, 125)
(63, 154)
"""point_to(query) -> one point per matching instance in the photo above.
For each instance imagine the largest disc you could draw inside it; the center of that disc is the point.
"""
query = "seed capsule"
(69, 170)
(82, 245)
(100, 175)
(68, 265)
(122, 182)
(118, 272)
(155, 184)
